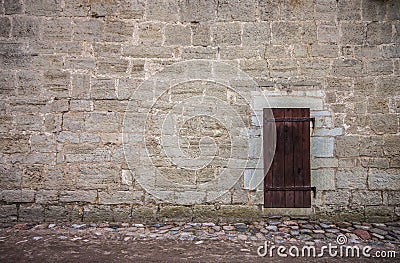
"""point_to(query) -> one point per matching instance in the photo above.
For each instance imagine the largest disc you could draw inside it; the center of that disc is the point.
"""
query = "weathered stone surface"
(236, 10)
(198, 10)
(177, 35)
(352, 178)
(78, 196)
(12, 7)
(226, 34)
(323, 179)
(121, 197)
(383, 179)
(69, 70)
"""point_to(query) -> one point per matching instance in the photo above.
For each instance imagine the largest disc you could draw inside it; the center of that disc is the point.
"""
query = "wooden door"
(287, 182)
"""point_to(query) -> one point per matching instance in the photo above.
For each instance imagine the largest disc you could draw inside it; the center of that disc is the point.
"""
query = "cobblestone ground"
(194, 242)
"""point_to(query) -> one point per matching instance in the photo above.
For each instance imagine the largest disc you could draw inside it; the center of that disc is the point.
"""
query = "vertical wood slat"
(306, 158)
(278, 179)
(291, 162)
(288, 156)
(299, 155)
(269, 152)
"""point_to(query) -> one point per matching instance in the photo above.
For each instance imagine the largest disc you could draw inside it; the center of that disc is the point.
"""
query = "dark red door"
(287, 182)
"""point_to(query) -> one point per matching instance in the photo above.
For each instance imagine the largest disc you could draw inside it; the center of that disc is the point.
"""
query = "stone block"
(347, 68)
(269, 10)
(282, 68)
(46, 197)
(142, 214)
(328, 33)
(256, 34)
(54, 213)
(121, 197)
(276, 51)
(112, 66)
(242, 52)
(86, 196)
(198, 10)
(122, 213)
(379, 33)
(17, 196)
(236, 10)
(73, 121)
(379, 179)
(393, 198)
(366, 197)
(353, 33)
(349, 10)
(293, 33)
(86, 153)
(383, 123)
(5, 27)
(317, 163)
(59, 177)
(256, 68)
(24, 26)
(392, 51)
(10, 177)
(337, 198)
(150, 33)
(106, 122)
(98, 213)
(43, 7)
(297, 11)
(314, 67)
(322, 146)
(80, 86)
(12, 7)
(391, 146)
(226, 34)
(43, 143)
(57, 29)
(201, 34)
(117, 31)
(8, 213)
(199, 53)
(323, 179)
(81, 63)
(373, 10)
(34, 176)
(177, 35)
(102, 177)
(14, 144)
(103, 88)
(375, 162)
(324, 51)
(388, 86)
(167, 11)
(31, 213)
(322, 132)
(326, 10)
(347, 146)
(379, 213)
(81, 105)
(352, 178)
(144, 51)
(107, 49)
(87, 30)
(175, 213)
(378, 105)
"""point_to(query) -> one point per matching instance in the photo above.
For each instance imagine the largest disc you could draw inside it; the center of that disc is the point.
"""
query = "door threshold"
(287, 211)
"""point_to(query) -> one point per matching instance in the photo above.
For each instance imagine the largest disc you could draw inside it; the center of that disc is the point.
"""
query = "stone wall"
(86, 87)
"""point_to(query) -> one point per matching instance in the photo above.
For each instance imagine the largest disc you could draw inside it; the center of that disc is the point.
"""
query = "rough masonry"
(68, 70)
